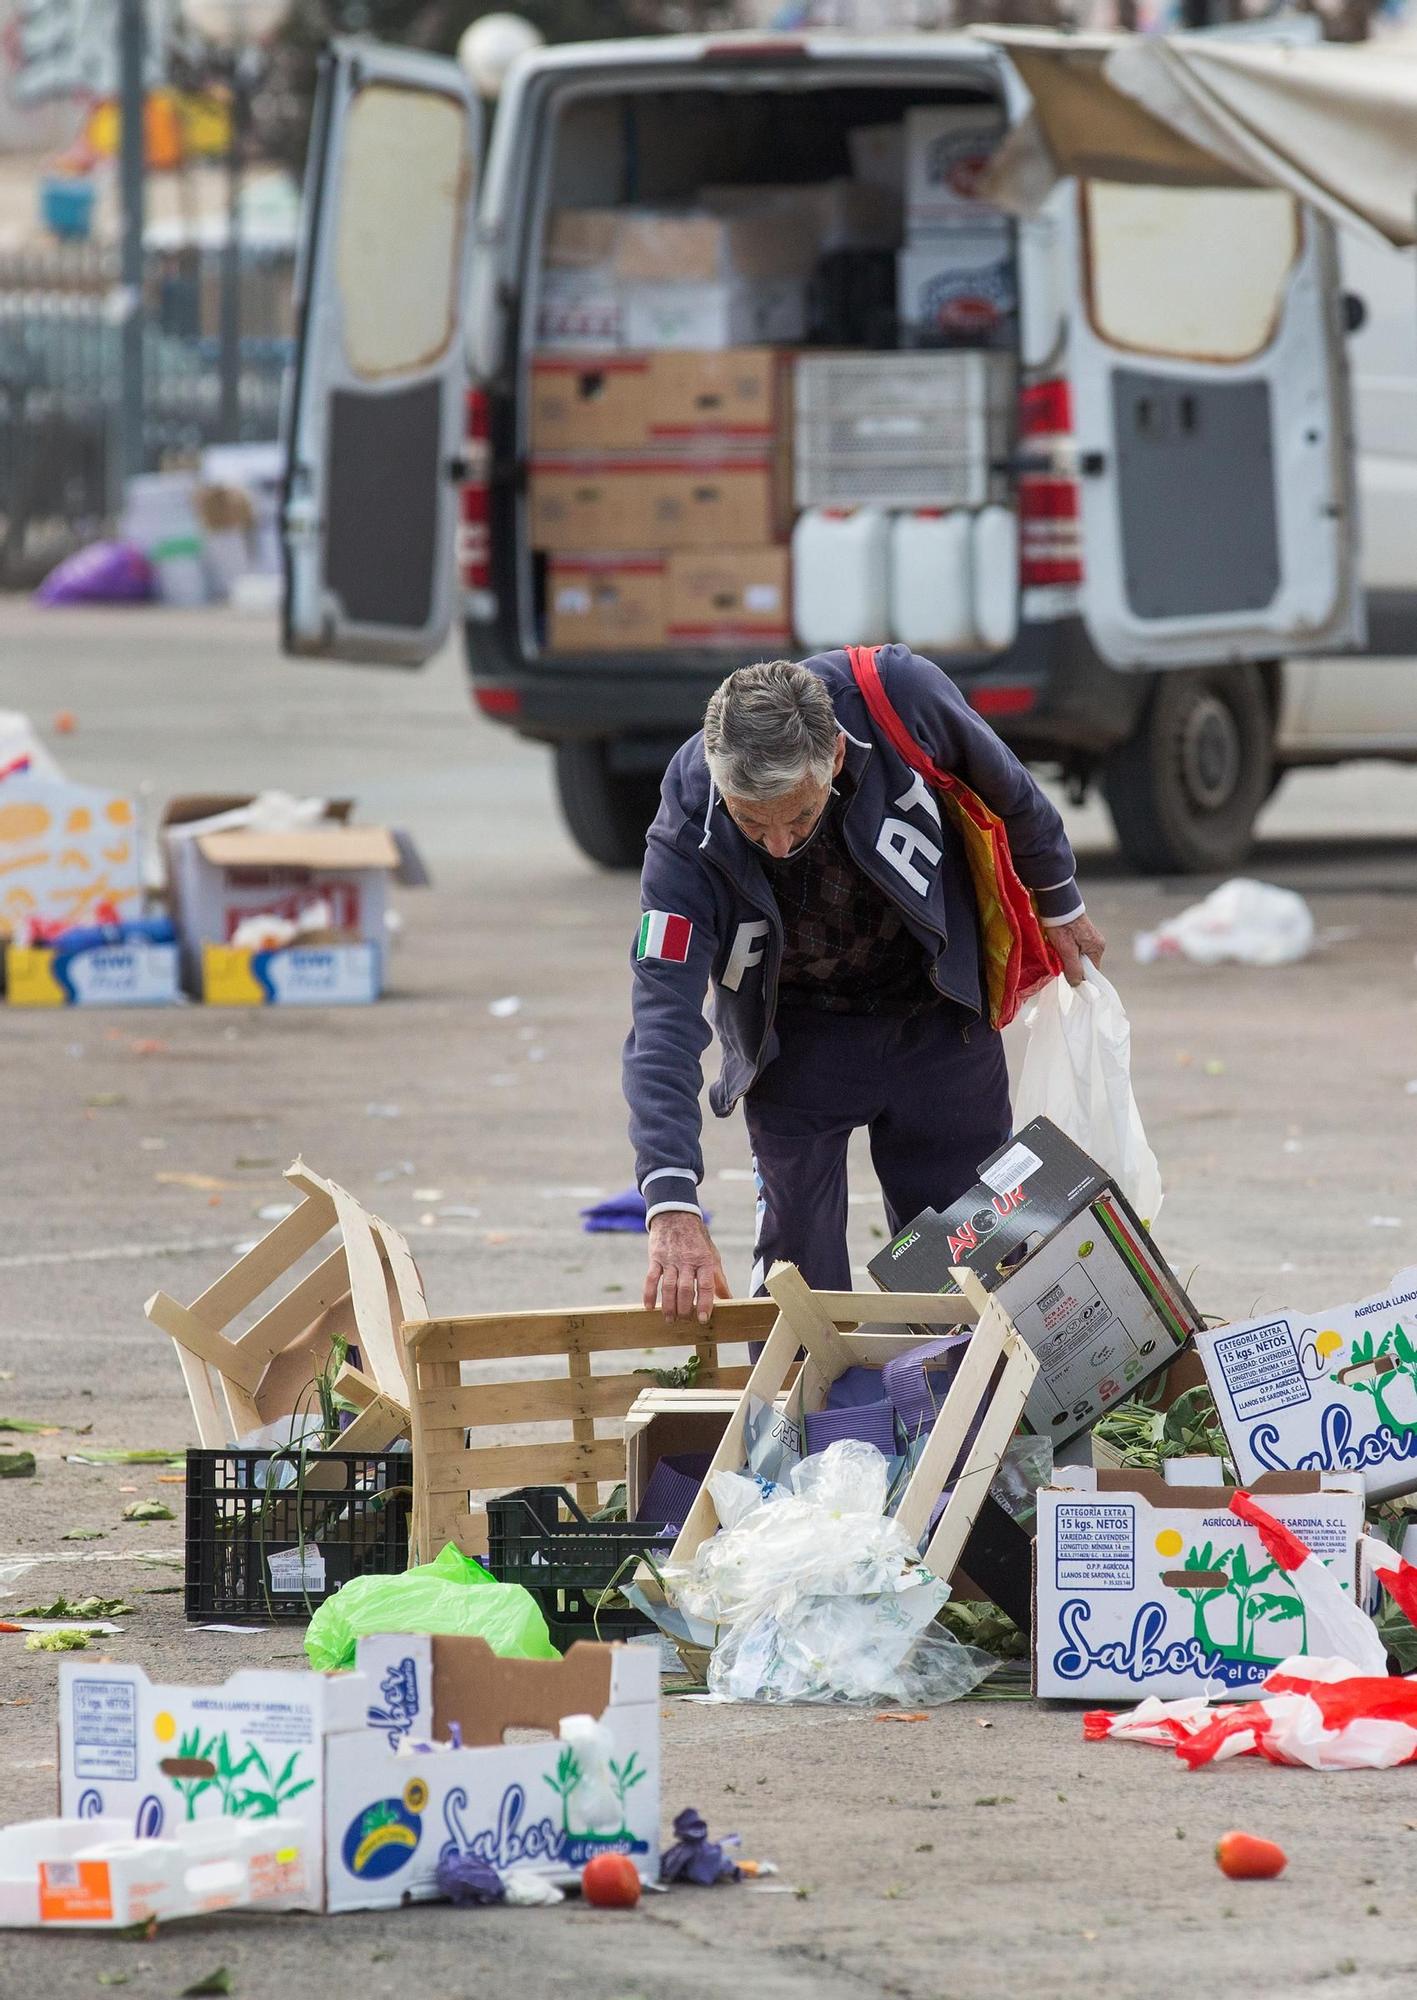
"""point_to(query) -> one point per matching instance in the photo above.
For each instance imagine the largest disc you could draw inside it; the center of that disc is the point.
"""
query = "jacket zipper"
(774, 916)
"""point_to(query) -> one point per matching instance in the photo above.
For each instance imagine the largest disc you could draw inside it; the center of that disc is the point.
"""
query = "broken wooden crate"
(841, 1330)
(362, 1290)
(563, 1383)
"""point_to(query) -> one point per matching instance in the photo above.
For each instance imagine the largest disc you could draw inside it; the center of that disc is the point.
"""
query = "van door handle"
(1092, 464)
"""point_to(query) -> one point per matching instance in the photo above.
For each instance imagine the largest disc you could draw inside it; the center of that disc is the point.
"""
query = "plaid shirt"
(846, 949)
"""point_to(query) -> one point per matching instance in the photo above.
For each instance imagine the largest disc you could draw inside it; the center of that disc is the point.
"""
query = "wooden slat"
(481, 1405)
(380, 1351)
(592, 1331)
(562, 1463)
(408, 1283)
(769, 1372)
(355, 1386)
(423, 1527)
(183, 1324)
(213, 1432)
(376, 1426)
(969, 1389)
(258, 1270)
(290, 1316)
(978, 1472)
(815, 1329)
(880, 1309)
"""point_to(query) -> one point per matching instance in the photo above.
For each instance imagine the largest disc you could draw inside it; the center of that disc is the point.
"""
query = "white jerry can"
(932, 583)
(841, 577)
(994, 563)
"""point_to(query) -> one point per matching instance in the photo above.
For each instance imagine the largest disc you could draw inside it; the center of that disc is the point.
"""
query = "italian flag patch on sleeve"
(663, 935)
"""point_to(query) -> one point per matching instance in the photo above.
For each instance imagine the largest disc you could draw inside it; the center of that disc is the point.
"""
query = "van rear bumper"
(1049, 696)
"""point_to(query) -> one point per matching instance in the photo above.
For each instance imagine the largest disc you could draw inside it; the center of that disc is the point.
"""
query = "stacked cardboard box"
(955, 275)
(660, 496)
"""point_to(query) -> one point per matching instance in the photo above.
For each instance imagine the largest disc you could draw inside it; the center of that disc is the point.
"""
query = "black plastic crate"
(257, 1552)
(539, 1537)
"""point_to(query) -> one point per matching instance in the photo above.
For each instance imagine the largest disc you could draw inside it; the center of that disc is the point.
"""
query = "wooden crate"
(839, 1330)
(362, 1290)
(461, 1456)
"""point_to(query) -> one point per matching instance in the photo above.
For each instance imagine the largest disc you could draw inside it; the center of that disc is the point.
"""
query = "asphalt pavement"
(986, 1852)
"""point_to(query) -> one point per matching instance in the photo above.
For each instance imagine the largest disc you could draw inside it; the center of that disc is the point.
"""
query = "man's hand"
(684, 1268)
(1073, 943)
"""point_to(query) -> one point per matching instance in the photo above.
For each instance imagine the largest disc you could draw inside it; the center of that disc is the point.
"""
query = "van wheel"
(607, 812)
(1184, 790)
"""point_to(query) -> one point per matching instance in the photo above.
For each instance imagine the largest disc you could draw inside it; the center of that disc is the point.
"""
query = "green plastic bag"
(451, 1594)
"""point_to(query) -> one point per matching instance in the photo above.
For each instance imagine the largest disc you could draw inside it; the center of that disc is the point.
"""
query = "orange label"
(74, 1892)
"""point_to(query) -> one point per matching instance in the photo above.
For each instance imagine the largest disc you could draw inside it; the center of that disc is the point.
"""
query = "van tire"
(1185, 788)
(607, 812)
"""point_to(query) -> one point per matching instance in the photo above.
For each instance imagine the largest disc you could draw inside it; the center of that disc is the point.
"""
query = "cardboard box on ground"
(230, 862)
(1334, 1389)
(1145, 1585)
(340, 1753)
(1048, 1233)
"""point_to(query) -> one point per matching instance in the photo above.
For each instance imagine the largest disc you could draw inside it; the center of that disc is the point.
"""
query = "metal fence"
(60, 366)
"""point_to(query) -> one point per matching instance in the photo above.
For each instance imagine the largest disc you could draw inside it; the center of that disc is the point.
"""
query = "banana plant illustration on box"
(567, 1779)
(211, 1765)
(1391, 1360)
(624, 1777)
(1221, 1573)
(1205, 1565)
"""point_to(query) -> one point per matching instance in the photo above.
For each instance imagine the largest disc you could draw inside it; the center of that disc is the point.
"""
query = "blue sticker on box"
(1095, 1545)
(105, 1732)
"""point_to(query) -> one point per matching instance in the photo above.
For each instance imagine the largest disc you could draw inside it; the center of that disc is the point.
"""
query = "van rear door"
(1210, 407)
(375, 419)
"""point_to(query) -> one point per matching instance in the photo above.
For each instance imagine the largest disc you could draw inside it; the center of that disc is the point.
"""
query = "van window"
(396, 254)
(1199, 273)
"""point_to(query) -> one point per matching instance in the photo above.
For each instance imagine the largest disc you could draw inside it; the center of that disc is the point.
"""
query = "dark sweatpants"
(934, 1100)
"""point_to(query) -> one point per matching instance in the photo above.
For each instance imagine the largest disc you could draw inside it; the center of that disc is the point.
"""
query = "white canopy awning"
(1334, 123)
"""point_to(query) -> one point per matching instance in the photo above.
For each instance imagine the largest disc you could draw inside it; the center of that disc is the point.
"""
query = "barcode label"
(62, 1874)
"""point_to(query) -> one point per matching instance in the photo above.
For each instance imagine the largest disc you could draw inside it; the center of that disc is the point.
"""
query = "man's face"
(781, 825)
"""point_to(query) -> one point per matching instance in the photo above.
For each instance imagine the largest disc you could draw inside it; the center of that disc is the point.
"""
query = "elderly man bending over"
(802, 867)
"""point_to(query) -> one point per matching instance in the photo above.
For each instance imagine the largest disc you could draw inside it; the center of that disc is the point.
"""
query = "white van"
(1180, 465)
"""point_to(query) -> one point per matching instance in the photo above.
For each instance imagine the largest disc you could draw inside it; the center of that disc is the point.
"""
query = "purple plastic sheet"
(853, 1386)
(914, 1389)
(673, 1487)
(103, 573)
(872, 1423)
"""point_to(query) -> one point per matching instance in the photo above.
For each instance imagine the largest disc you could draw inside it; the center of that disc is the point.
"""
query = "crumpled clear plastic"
(819, 1595)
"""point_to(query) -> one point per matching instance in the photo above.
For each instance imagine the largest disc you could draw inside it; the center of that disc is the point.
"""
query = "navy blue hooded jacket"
(710, 914)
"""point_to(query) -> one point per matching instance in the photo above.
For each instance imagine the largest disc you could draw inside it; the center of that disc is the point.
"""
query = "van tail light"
(1050, 502)
(474, 545)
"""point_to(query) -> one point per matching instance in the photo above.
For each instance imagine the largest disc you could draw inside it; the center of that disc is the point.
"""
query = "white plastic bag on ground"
(1077, 1070)
(1251, 923)
(818, 1594)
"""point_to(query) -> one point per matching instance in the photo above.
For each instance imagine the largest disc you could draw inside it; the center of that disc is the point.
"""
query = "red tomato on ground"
(611, 1882)
(1244, 1855)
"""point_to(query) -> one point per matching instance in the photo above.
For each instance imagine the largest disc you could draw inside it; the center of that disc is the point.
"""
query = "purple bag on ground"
(103, 573)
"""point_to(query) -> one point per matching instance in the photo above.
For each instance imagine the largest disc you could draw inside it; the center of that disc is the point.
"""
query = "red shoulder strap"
(866, 671)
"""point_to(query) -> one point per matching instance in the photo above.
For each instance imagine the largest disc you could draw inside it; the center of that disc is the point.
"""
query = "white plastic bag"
(1251, 923)
(818, 1595)
(1077, 1070)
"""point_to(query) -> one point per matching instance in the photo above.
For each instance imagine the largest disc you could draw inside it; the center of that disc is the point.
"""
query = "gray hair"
(767, 728)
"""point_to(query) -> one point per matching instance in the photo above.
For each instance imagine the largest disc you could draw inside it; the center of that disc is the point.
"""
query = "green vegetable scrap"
(148, 1510)
(985, 1626)
(44, 1430)
(16, 1465)
(82, 1535)
(675, 1378)
(1145, 1436)
(95, 1456)
(215, 1982)
(84, 1607)
(62, 1641)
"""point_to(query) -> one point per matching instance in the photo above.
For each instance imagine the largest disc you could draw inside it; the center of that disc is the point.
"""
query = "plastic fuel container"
(931, 580)
(841, 577)
(995, 564)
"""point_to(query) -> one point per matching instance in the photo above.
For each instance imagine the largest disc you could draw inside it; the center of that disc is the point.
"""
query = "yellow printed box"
(326, 975)
(100, 975)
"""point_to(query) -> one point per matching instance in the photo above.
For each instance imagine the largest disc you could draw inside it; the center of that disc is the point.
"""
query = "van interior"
(693, 245)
